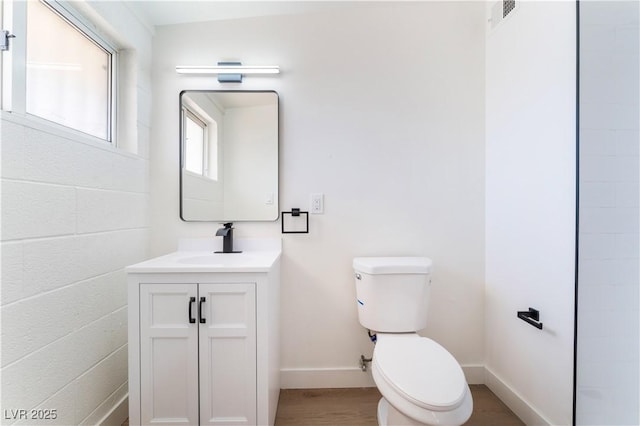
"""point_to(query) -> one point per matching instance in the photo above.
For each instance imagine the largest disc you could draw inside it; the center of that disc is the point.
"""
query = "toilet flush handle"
(358, 276)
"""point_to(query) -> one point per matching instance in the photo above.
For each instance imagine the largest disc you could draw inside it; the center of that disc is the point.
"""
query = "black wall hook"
(532, 316)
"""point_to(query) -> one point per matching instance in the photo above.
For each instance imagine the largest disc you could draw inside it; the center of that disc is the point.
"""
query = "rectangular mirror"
(228, 155)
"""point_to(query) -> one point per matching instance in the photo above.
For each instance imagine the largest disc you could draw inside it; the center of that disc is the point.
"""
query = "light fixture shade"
(228, 69)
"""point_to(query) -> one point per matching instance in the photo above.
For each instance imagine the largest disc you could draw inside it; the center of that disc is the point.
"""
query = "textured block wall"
(68, 229)
(74, 214)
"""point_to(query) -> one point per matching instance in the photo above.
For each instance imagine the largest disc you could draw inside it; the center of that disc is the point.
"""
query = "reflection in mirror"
(228, 156)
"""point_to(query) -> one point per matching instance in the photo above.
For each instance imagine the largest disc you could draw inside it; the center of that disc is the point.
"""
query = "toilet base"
(388, 415)
(383, 408)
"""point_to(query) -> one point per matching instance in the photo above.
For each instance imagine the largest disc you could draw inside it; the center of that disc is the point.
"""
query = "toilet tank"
(392, 292)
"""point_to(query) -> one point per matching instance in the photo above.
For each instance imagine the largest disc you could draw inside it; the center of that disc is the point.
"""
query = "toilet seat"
(419, 371)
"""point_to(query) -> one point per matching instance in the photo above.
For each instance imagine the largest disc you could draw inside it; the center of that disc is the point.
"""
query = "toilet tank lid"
(392, 265)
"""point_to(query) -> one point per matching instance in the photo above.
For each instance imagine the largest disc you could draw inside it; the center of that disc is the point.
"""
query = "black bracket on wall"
(532, 316)
(296, 213)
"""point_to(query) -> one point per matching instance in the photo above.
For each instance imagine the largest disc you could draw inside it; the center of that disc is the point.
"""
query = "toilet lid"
(421, 370)
(392, 265)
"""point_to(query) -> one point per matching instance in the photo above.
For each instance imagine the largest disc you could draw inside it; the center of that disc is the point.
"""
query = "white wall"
(381, 109)
(530, 208)
(608, 322)
(74, 213)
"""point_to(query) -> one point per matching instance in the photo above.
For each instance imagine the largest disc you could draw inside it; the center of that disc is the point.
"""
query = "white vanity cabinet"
(198, 346)
(203, 340)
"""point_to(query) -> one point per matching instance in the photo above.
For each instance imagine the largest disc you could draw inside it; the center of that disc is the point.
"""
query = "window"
(200, 147)
(68, 76)
(63, 72)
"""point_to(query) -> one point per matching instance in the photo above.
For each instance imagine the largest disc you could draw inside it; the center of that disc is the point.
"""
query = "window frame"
(14, 67)
(210, 141)
(187, 113)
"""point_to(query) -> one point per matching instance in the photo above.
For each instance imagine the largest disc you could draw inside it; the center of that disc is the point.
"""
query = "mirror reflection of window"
(200, 147)
(194, 136)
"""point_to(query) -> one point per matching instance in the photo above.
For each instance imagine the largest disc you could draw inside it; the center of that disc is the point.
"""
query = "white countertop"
(197, 255)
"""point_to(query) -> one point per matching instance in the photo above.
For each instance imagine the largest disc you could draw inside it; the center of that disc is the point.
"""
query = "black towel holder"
(532, 316)
(295, 212)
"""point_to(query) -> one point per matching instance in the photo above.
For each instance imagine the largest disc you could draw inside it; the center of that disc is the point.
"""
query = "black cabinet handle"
(202, 320)
(192, 320)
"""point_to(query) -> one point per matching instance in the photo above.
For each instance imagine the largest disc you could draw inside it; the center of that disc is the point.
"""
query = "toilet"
(420, 381)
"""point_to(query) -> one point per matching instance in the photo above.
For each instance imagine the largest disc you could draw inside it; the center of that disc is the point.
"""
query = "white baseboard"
(349, 377)
(118, 414)
(319, 378)
(529, 415)
(474, 374)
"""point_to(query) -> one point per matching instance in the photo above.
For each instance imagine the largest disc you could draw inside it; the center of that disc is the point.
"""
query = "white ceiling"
(169, 12)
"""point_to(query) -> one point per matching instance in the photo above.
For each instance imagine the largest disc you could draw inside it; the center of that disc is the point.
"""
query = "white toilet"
(420, 382)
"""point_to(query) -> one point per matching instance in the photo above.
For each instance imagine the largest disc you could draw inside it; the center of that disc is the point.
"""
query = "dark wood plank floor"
(357, 407)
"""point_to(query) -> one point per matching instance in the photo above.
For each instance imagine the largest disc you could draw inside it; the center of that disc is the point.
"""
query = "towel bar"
(532, 316)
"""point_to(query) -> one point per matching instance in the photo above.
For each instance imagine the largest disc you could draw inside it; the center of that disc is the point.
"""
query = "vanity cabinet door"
(228, 354)
(168, 354)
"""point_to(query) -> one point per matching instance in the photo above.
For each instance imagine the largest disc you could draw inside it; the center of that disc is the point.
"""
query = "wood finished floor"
(357, 407)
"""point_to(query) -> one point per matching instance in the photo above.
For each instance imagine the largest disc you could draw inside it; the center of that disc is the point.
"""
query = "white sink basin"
(218, 259)
(197, 255)
(208, 261)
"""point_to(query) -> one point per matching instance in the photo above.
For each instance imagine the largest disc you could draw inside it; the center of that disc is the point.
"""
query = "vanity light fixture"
(228, 72)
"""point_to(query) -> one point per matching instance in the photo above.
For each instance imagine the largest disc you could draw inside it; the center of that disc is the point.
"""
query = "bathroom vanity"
(204, 335)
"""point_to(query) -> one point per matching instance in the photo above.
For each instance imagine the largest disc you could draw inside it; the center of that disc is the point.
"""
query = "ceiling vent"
(500, 11)
(507, 7)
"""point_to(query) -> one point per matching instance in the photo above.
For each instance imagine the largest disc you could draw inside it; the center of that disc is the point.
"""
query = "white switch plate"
(317, 203)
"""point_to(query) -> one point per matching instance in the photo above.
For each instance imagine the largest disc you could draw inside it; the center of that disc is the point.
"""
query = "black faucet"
(227, 238)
